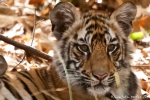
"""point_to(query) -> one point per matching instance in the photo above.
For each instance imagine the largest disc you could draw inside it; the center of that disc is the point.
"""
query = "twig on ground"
(27, 49)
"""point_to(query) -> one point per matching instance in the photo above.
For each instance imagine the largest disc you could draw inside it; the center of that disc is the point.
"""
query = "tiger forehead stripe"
(96, 23)
(89, 15)
(94, 17)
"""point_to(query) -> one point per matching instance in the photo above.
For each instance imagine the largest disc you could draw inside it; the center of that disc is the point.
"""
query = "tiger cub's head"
(92, 46)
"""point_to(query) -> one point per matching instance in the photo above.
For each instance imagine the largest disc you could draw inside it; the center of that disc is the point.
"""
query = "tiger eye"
(84, 48)
(111, 47)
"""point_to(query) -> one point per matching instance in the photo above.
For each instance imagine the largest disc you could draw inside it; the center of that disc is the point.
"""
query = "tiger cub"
(91, 51)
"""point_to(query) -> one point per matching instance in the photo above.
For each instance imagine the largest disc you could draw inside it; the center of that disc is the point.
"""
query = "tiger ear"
(124, 15)
(3, 66)
(62, 17)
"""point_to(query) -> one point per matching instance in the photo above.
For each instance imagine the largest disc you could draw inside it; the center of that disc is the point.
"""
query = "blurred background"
(27, 22)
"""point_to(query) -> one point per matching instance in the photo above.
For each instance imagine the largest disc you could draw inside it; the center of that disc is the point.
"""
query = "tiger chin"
(92, 47)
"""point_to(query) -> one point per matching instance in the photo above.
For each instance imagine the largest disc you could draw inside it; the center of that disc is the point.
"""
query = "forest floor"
(31, 26)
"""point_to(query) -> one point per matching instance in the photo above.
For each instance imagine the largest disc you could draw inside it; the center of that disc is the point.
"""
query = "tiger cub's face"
(93, 46)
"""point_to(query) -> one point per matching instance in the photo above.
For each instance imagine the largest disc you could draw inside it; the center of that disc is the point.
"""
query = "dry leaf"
(143, 84)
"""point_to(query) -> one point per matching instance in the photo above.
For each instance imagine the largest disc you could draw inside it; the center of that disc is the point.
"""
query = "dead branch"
(27, 49)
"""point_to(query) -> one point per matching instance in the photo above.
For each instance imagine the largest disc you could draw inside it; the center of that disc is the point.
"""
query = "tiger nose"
(100, 76)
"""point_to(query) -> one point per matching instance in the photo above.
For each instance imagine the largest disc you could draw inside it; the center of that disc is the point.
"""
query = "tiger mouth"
(101, 84)
(98, 87)
(96, 84)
